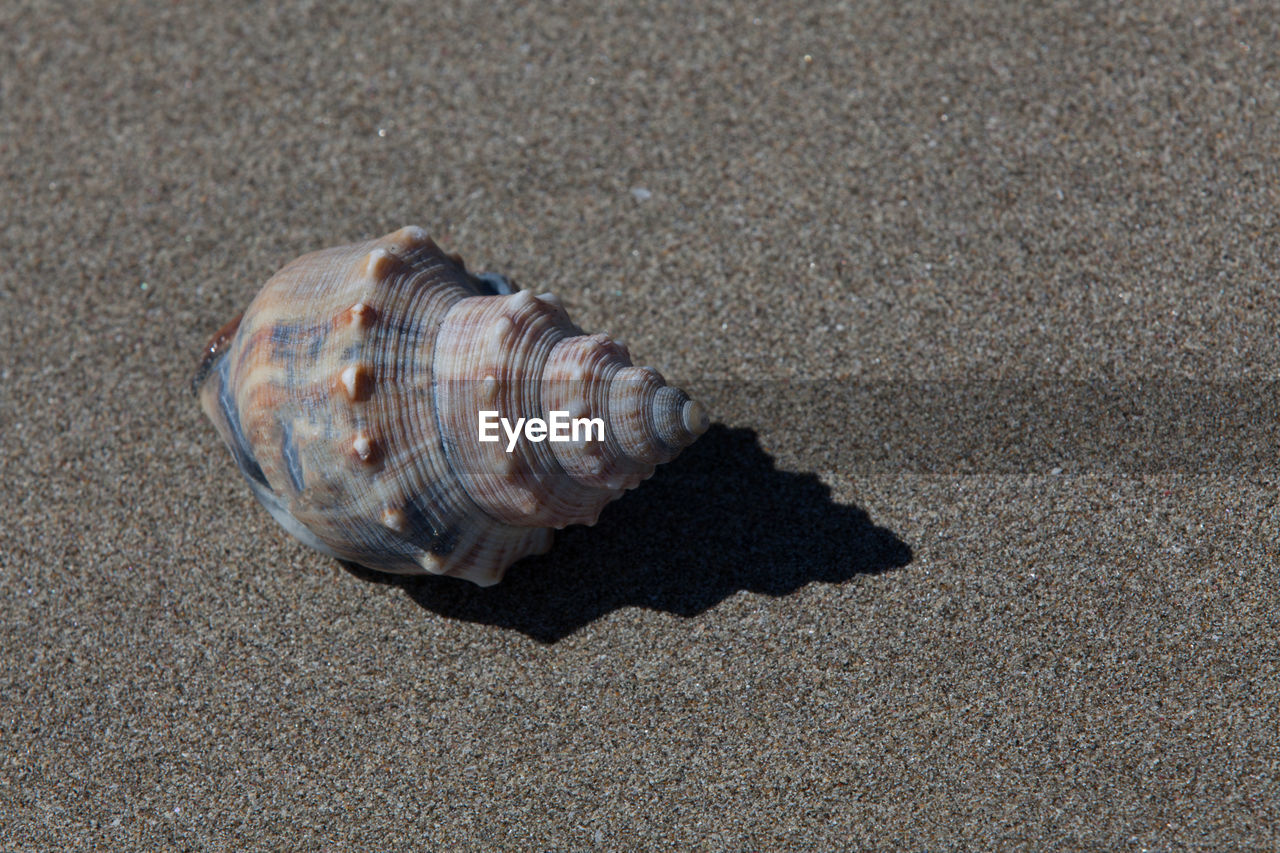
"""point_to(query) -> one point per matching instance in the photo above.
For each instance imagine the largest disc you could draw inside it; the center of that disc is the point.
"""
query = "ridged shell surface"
(350, 393)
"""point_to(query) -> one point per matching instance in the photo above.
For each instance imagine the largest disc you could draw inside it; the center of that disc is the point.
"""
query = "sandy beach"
(979, 552)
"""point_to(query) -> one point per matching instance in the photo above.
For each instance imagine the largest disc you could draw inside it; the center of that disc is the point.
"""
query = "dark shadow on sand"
(717, 520)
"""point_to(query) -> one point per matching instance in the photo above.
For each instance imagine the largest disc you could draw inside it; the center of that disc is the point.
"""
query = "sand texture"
(980, 551)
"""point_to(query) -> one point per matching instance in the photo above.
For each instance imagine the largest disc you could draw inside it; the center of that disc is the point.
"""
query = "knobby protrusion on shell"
(350, 393)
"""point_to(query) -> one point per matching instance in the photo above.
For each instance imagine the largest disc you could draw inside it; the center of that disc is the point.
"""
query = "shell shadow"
(719, 519)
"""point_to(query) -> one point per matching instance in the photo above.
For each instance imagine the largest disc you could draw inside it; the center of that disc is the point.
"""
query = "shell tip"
(695, 418)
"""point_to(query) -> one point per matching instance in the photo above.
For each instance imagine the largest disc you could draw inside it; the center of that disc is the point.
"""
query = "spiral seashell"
(351, 394)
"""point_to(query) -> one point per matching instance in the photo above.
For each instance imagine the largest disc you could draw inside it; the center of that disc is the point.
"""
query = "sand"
(980, 552)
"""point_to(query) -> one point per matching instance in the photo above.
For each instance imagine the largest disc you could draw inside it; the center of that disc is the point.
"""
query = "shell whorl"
(350, 395)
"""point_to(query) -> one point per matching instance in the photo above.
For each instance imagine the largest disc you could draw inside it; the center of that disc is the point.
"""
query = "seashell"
(350, 394)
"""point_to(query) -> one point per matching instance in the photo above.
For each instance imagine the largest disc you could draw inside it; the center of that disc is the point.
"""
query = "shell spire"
(390, 408)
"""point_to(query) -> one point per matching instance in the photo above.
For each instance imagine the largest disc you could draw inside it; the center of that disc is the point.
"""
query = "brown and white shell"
(350, 393)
